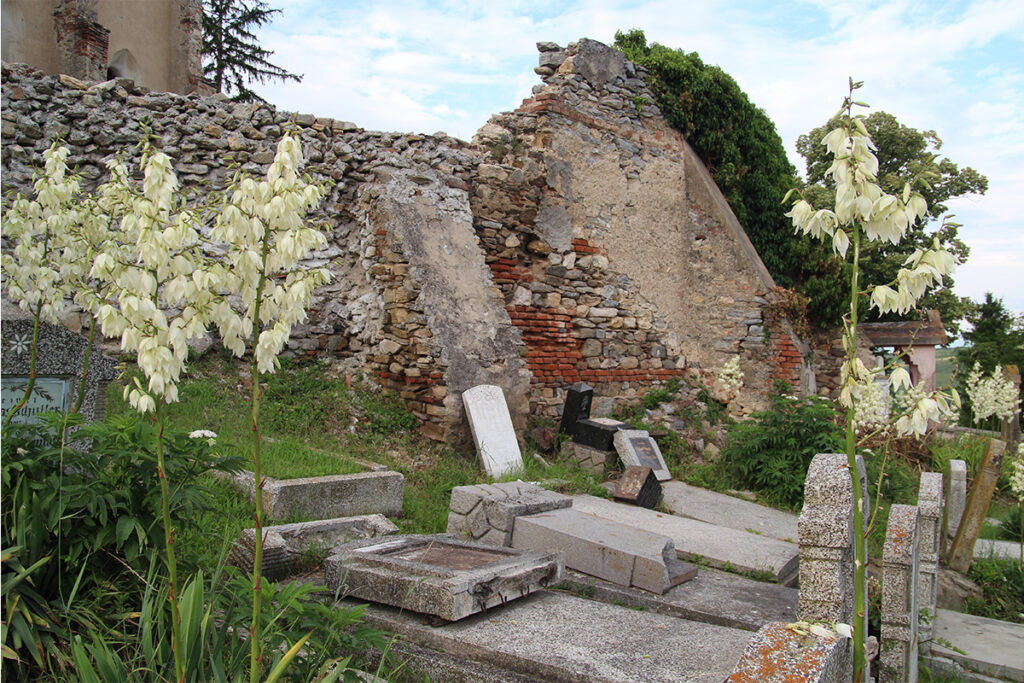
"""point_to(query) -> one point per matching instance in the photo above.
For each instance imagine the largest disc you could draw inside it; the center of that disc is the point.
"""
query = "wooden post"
(962, 551)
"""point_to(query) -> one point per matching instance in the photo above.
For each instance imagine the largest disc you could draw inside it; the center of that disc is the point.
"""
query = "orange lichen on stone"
(779, 654)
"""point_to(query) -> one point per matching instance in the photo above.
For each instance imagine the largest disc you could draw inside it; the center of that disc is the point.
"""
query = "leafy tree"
(997, 338)
(904, 155)
(741, 148)
(233, 57)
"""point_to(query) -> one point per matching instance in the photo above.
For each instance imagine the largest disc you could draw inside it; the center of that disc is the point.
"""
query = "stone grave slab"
(492, 429)
(607, 550)
(284, 544)
(639, 486)
(636, 447)
(718, 508)
(59, 357)
(597, 432)
(439, 574)
(717, 546)
(988, 646)
(578, 399)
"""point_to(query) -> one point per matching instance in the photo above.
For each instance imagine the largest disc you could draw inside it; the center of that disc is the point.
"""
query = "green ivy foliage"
(741, 148)
(770, 453)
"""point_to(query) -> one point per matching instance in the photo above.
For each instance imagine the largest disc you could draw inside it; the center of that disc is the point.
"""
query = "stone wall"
(577, 238)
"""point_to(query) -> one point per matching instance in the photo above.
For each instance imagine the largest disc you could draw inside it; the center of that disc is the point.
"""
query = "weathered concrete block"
(439, 574)
(340, 495)
(899, 641)
(776, 654)
(486, 512)
(956, 496)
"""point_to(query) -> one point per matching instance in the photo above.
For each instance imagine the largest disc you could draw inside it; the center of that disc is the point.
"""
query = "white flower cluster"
(991, 395)
(729, 381)
(137, 260)
(861, 202)
(1017, 477)
(864, 394)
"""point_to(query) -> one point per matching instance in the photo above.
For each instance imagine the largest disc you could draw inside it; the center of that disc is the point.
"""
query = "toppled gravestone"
(285, 544)
(439, 574)
(487, 512)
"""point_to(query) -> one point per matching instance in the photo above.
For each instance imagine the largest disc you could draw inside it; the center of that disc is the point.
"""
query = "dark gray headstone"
(578, 399)
(597, 433)
(639, 486)
(59, 357)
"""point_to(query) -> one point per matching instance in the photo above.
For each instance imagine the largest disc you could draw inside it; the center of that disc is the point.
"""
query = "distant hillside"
(945, 364)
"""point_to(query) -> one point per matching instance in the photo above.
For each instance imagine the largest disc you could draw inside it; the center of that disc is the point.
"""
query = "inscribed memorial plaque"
(48, 393)
(636, 447)
(493, 433)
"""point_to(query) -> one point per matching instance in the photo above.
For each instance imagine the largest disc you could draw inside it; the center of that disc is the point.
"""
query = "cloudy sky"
(953, 67)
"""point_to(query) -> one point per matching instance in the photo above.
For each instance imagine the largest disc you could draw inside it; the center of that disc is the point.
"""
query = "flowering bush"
(726, 385)
(991, 396)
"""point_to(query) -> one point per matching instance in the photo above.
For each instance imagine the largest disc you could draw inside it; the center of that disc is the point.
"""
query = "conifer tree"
(233, 58)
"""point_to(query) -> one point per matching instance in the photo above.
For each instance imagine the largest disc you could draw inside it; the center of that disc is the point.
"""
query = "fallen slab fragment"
(1001, 550)
(712, 596)
(778, 654)
(438, 574)
(607, 550)
(723, 510)
(986, 646)
(718, 546)
(556, 637)
(285, 544)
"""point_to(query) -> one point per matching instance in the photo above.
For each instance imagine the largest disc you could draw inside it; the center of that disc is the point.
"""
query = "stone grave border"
(327, 497)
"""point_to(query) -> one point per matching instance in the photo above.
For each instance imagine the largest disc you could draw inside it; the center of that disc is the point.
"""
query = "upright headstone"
(493, 434)
(578, 399)
(956, 499)
(60, 355)
(898, 657)
(636, 447)
(929, 503)
(826, 533)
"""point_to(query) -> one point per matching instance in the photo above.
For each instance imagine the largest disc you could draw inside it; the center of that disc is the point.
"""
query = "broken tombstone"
(636, 447)
(578, 399)
(597, 432)
(639, 486)
(439, 574)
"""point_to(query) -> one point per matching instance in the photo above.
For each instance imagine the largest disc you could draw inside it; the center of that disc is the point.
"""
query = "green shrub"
(1002, 582)
(770, 453)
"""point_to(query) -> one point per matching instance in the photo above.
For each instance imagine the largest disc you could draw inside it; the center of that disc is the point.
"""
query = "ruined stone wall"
(617, 256)
(578, 238)
(396, 204)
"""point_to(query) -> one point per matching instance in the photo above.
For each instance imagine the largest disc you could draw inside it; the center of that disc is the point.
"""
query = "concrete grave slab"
(339, 495)
(284, 544)
(987, 646)
(636, 447)
(718, 508)
(607, 550)
(1003, 550)
(717, 546)
(493, 433)
(557, 637)
(439, 574)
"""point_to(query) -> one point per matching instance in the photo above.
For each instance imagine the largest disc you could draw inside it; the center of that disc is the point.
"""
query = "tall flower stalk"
(263, 224)
(864, 212)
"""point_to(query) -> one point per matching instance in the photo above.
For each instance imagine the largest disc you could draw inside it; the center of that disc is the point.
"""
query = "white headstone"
(493, 434)
(636, 447)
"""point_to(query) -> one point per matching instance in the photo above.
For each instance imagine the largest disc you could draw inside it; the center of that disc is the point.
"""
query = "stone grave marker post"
(929, 503)
(956, 499)
(493, 433)
(899, 638)
(826, 535)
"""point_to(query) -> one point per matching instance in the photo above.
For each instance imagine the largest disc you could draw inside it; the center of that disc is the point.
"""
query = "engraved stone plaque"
(636, 447)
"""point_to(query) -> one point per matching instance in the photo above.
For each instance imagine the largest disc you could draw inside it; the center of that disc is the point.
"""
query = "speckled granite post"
(929, 505)
(776, 654)
(898, 659)
(826, 544)
(956, 498)
(487, 512)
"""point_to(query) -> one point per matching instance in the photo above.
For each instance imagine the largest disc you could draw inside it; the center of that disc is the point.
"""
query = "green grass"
(945, 365)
